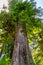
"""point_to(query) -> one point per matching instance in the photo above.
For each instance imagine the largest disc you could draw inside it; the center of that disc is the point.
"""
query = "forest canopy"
(21, 23)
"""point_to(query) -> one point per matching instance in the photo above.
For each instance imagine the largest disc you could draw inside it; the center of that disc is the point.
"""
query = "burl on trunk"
(21, 53)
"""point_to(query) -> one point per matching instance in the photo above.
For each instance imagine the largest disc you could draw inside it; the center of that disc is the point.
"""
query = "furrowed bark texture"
(21, 52)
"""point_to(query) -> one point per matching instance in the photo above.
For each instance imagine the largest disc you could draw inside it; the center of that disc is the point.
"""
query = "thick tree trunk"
(21, 52)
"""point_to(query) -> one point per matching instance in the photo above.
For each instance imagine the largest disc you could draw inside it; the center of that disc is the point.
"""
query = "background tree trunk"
(21, 52)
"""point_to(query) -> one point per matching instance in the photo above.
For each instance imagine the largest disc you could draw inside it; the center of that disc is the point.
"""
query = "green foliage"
(37, 45)
(8, 45)
(21, 13)
(5, 60)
